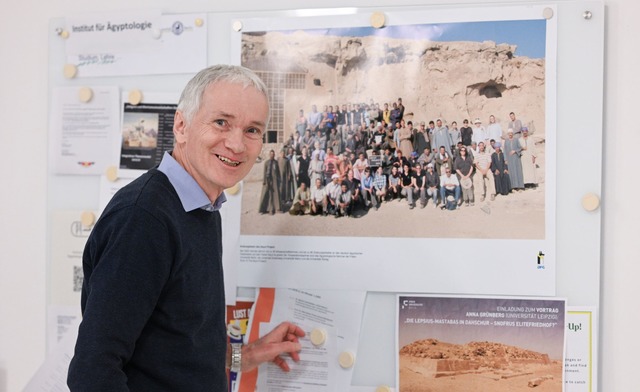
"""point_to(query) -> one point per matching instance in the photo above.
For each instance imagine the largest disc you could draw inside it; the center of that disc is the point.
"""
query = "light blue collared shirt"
(190, 193)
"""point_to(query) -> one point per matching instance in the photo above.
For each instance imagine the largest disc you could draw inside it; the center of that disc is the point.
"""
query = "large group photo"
(400, 134)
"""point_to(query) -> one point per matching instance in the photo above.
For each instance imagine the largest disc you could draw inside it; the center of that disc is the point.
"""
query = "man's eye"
(221, 123)
(254, 131)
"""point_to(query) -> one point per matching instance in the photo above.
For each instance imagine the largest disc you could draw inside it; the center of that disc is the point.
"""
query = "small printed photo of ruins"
(480, 344)
(492, 74)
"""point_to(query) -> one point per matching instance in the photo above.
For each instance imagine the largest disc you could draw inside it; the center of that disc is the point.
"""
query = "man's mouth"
(228, 161)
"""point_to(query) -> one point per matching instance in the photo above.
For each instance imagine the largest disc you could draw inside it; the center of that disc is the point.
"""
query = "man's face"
(512, 117)
(481, 147)
(318, 183)
(492, 119)
(220, 144)
(439, 123)
(303, 186)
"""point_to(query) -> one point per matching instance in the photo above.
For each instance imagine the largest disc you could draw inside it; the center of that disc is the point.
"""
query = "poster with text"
(147, 132)
(458, 344)
(342, 92)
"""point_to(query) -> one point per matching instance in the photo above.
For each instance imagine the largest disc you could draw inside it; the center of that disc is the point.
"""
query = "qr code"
(78, 277)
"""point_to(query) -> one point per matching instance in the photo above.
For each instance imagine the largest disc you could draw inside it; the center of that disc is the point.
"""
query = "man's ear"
(179, 127)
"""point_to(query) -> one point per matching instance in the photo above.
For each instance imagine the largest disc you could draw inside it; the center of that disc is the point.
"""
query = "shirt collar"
(190, 193)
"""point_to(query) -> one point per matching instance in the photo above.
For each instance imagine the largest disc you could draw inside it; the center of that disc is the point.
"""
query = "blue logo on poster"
(540, 260)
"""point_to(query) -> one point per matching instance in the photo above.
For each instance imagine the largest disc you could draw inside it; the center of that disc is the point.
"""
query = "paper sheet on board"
(84, 134)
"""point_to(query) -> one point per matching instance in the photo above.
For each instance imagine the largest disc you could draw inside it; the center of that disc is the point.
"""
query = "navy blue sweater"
(153, 296)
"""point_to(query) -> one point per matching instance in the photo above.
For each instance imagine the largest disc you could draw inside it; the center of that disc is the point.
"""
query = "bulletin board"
(571, 123)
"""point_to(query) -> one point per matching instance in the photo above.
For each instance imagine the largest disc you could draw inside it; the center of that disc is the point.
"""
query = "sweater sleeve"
(127, 260)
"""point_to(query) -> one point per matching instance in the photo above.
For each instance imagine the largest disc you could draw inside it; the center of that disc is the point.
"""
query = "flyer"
(482, 344)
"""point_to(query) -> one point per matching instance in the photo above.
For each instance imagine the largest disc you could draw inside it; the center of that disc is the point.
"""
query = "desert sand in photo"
(433, 366)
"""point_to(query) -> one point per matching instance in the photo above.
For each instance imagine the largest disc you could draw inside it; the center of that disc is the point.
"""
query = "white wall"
(23, 149)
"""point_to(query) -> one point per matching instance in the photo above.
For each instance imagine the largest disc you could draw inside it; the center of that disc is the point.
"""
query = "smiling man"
(153, 294)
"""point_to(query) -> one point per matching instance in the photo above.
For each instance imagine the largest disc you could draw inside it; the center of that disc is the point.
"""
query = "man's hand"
(283, 339)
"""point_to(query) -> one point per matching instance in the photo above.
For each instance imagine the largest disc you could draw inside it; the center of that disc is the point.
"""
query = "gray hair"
(191, 97)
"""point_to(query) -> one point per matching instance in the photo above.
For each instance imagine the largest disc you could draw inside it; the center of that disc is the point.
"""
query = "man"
(330, 163)
(430, 130)
(341, 123)
(513, 153)
(529, 156)
(426, 157)
(320, 141)
(345, 202)
(286, 186)
(301, 123)
(449, 186)
(443, 160)
(479, 132)
(421, 140)
(515, 125)
(500, 171)
(404, 136)
(318, 199)
(301, 201)
(386, 114)
(153, 292)
(332, 191)
(271, 180)
(432, 182)
(377, 141)
(441, 137)
(379, 187)
(315, 117)
(483, 179)
(401, 108)
(368, 193)
(466, 133)
(396, 116)
(354, 186)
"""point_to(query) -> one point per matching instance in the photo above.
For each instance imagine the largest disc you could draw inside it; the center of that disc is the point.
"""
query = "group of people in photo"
(360, 156)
